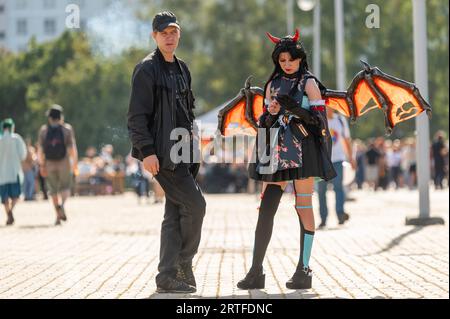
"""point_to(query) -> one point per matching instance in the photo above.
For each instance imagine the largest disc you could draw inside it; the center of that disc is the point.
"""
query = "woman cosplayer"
(298, 141)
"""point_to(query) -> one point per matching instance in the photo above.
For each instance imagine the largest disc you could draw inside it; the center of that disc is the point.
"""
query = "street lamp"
(308, 5)
(304, 5)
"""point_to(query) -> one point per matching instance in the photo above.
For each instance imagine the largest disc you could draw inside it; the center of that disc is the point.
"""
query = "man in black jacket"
(161, 105)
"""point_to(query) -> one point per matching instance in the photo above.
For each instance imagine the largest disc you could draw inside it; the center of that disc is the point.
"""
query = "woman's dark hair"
(295, 49)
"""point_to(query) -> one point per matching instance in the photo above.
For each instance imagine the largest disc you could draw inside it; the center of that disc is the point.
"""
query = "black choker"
(289, 76)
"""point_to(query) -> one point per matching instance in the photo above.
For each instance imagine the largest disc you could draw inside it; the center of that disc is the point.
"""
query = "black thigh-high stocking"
(269, 205)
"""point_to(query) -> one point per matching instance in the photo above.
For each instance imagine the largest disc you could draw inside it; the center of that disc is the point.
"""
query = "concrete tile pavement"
(109, 249)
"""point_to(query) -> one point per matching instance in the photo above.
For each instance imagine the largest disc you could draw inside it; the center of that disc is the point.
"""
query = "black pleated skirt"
(312, 165)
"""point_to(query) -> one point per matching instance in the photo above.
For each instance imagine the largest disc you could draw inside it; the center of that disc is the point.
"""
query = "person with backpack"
(12, 152)
(58, 158)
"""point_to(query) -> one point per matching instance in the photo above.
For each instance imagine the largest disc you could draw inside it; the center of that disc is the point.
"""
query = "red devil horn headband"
(296, 36)
(276, 40)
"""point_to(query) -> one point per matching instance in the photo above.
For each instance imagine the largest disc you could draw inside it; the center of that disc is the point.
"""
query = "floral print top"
(288, 150)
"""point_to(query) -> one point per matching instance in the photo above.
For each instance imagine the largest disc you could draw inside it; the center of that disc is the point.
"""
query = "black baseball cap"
(163, 20)
(55, 111)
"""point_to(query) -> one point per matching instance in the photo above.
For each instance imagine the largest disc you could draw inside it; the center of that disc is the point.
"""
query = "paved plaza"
(109, 249)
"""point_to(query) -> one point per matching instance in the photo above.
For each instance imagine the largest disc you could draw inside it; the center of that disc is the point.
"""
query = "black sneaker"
(343, 218)
(172, 285)
(10, 219)
(186, 275)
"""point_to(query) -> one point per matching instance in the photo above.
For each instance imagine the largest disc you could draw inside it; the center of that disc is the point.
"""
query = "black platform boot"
(302, 279)
(255, 279)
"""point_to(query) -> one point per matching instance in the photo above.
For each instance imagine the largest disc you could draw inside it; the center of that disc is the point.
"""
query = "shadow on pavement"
(297, 294)
(37, 226)
(131, 233)
(396, 241)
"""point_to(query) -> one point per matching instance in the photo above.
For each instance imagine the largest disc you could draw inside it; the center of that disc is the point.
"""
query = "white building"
(20, 20)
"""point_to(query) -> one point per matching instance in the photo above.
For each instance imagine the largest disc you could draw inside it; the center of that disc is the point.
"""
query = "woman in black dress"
(298, 150)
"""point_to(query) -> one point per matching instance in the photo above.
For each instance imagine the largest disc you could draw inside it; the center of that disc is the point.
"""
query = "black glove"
(292, 106)
(287, 102)
(267, 120)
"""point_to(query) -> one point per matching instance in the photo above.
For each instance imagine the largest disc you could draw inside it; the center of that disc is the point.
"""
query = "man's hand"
(151, 164)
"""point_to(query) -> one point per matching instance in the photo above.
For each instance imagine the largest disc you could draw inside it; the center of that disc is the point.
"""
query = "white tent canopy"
(208, 121)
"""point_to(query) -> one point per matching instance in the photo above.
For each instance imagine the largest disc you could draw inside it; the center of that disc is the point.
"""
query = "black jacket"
(152, 108)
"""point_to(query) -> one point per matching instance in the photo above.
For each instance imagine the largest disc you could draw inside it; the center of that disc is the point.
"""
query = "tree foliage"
(223, 42)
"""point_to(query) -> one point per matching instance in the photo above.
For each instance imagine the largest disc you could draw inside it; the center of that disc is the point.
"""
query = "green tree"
(223, 42)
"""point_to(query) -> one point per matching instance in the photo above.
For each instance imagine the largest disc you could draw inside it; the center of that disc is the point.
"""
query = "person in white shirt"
(394, 162)
(12, 152)
(342, 151)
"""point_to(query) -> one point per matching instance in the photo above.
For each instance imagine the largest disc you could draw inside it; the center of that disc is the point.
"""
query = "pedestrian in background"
(29, 167)
(12, 152)
(342, 151)
(58, 158)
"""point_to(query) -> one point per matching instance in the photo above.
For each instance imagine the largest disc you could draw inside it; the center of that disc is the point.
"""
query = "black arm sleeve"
(140, 112)
(305, 116)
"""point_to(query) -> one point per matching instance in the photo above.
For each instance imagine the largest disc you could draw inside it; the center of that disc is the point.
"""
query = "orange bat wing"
(337, 101)
(370, 89)
(373, 89)
(240, 115)
(403, 99)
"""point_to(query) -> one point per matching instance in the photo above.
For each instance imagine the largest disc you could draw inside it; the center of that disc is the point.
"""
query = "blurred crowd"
(100, 173)
(223, 178)
(382, 164)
